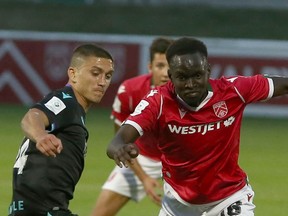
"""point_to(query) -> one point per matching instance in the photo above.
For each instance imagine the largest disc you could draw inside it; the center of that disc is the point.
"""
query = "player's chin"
(191, 99)
(97, 98)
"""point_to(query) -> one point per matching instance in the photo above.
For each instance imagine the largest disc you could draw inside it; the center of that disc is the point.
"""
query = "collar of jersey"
(202, 104)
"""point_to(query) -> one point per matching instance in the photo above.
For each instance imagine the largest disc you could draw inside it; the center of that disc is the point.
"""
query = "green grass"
(263, 155)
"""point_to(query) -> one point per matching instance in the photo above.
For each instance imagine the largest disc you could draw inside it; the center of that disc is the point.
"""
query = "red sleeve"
(253, 88)
(145, 116)
(121, 106)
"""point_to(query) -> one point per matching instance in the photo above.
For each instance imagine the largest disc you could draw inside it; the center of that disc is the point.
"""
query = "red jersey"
(129, 94)
(200, 146)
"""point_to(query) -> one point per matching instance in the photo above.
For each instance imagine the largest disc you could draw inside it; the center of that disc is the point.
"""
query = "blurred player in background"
(197, 122)
(50, 160)
(122, 184)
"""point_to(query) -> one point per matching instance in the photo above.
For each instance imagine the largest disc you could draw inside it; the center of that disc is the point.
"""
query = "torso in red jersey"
(129, 94)
(200, 146)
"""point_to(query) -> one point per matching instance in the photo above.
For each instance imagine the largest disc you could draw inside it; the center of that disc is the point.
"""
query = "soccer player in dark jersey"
(51, 158)
(197, 122)
(141, 178)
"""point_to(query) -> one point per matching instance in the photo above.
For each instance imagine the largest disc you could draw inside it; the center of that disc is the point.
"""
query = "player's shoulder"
(60, 97)
(56, 101)
(224, 82)
(239, 78)
(64, 93)
(136, 84)
(163, 91)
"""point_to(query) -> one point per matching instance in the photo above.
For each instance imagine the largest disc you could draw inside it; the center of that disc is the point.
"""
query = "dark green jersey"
(41, 183)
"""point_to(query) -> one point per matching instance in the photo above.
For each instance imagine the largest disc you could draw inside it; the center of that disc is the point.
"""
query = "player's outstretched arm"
(34, 125)
(122, 148)
(280, 86)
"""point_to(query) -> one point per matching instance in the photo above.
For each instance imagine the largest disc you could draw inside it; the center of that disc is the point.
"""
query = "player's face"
(190, 74)
(92, 78)
(159, 69)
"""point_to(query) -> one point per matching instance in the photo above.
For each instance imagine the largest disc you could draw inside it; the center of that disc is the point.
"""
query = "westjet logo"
(202, 129)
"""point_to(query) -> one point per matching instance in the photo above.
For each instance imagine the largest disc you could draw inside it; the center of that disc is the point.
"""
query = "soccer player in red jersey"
(197, 122)
(123, 185)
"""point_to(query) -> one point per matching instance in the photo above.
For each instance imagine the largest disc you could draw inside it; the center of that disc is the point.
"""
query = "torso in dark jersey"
(41, 183)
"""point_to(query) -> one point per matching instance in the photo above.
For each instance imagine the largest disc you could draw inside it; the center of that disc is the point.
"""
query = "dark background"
(192, 19)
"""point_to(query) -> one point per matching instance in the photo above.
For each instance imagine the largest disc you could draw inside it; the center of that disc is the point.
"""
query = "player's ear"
(72, 74)
(149, 66)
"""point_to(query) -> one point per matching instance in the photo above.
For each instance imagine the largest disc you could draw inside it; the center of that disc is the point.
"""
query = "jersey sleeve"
(121, 107)
(253, 88)
(145, 116)
(60, 112)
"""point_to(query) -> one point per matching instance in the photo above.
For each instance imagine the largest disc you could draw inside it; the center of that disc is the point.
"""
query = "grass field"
(263, 155)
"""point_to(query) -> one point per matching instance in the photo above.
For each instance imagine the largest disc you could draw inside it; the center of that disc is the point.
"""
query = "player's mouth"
(191, 94)
(98, 91)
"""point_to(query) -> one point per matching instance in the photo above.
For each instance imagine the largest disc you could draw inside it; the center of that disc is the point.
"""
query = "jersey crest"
(55, 105)
(220, 109)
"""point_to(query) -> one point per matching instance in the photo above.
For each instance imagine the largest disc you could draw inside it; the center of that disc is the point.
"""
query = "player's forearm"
(280, 86)
(115, 145)
(34, 123)
(126, 135)
(112, 150)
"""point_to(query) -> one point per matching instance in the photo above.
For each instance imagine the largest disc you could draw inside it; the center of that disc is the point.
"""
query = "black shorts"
(61, 213)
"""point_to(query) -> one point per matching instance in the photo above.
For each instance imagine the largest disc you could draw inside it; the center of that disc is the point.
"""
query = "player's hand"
(125, 154)
(49, 145)
(153, 188)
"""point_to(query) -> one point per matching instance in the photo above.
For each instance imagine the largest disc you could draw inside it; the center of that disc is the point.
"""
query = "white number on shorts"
(21, 157)
(233, 209)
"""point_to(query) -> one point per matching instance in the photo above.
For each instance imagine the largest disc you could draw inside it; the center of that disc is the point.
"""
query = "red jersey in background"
(129, 94)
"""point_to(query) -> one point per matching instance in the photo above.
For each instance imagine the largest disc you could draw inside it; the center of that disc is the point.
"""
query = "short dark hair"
(159, 45)
(186, 45)
(86, 50)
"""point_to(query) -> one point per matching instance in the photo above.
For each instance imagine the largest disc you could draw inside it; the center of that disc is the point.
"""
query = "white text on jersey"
(202, 129)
